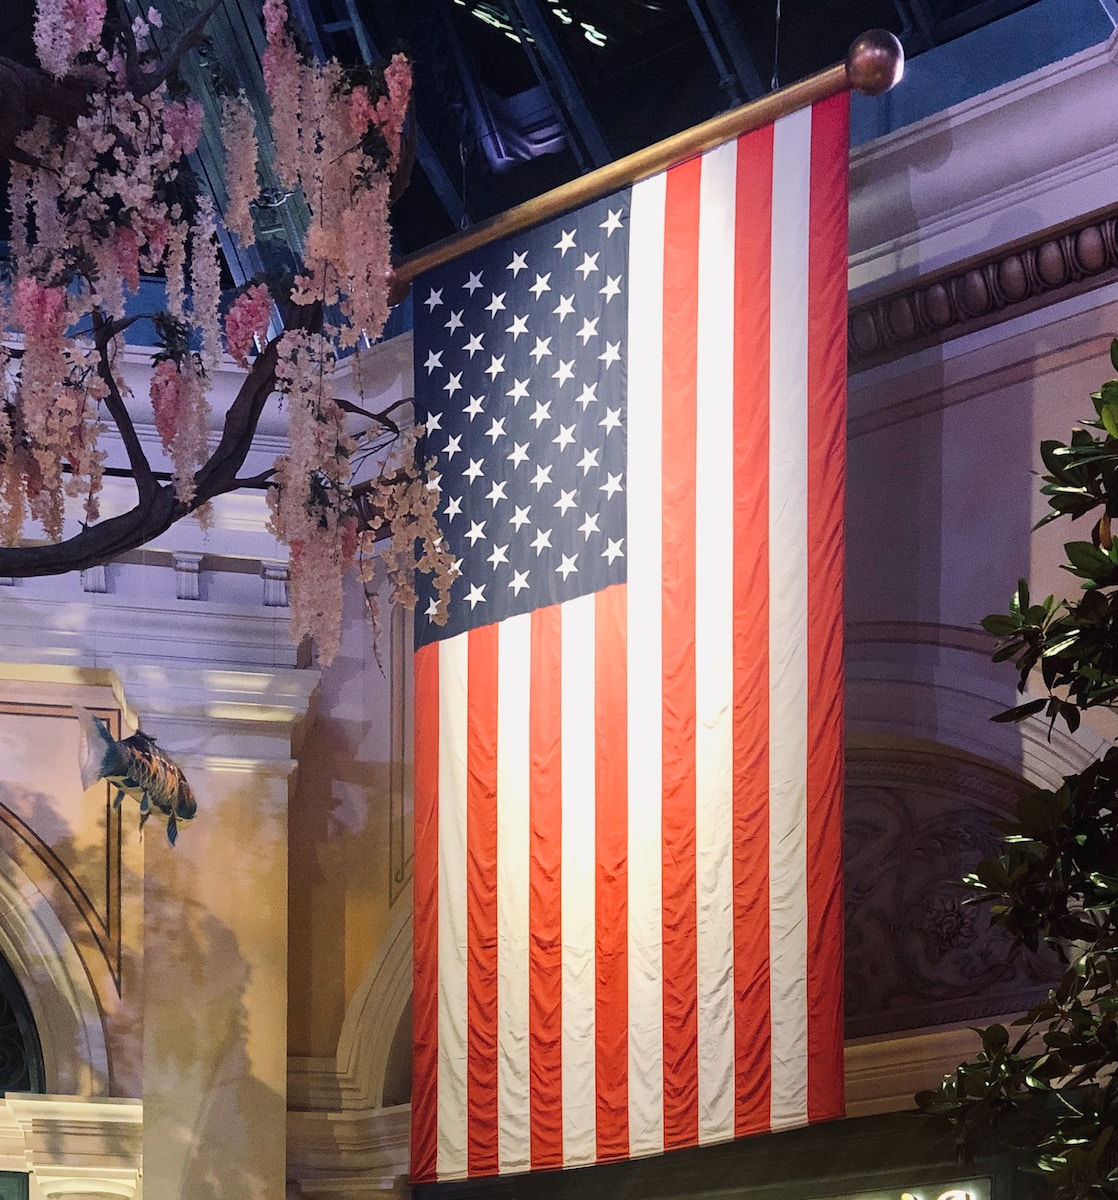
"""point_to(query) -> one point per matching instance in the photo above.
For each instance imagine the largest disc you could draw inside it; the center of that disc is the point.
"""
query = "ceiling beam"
(554, 72)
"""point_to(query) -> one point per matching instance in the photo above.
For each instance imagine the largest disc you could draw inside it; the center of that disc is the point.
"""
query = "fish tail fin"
(97, 748)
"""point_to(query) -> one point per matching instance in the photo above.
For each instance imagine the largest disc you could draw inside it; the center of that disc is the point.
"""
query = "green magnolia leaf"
(1001, 624)
(1019, 713)
(1088, 560)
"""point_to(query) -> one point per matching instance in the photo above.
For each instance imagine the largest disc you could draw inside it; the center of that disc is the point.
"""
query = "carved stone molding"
(916, 955)
(982, 291)
(74, 1147)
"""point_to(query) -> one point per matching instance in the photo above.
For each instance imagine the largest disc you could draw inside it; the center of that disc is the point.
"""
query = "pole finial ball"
(874, 62)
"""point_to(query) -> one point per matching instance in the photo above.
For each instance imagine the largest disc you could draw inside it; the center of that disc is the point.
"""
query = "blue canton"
(520, 365)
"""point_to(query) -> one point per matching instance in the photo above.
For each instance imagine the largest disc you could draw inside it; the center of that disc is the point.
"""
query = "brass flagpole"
(874, 64)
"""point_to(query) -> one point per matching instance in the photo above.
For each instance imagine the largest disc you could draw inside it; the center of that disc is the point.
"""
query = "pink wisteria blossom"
(247, 320)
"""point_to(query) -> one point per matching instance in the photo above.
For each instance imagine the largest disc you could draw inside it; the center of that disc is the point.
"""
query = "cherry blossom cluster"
(95, 205)
(310, 505)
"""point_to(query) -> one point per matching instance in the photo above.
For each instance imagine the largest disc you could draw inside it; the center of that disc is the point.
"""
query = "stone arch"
(380, 1007)
(49, 969)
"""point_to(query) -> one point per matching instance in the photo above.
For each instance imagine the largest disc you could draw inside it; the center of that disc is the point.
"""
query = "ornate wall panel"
(916, 954)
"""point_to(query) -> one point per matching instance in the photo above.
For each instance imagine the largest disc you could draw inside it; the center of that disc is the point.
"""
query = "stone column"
(215, 933)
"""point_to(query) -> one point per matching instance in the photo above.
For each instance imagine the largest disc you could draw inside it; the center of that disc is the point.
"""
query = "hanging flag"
(628, 734)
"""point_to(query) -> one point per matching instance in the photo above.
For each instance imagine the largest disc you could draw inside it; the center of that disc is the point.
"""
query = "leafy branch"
(1055, 885)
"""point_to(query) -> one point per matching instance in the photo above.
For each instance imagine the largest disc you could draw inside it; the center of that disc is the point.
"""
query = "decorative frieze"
(188, 575)
(94, 579)
(275, 575)
(984, 291)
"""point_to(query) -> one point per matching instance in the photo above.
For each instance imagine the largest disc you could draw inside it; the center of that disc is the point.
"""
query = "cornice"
(1008, 281)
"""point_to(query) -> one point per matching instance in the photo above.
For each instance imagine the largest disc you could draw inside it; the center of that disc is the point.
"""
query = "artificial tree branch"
(118, 410)
(143, 83)
(27, 93)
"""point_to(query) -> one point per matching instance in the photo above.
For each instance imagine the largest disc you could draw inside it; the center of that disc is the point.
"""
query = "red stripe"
(681, 324)
(826, 474)
(425, 1013)
(752, 274)
(545, 926)
(612, 880)
(481, 902)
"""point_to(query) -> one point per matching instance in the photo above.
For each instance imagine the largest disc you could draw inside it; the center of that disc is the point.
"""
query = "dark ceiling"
(517, 96)
(514, 97)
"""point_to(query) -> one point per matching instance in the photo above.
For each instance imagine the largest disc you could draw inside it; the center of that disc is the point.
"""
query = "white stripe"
(451, 1158)
(578, 873)
(643, 595)
(788, 622)
(714, 639)
(513, 770)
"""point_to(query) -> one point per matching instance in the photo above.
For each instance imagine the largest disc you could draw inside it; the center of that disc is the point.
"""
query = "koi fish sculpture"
(136, 767)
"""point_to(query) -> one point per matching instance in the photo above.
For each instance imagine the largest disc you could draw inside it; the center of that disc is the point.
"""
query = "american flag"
(629, 731)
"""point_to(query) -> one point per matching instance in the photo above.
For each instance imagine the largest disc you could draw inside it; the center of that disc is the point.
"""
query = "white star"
(520, 517)
(519, 453)
(434, 421)
(541, 285)
(434, 359)
(473, 345)
(496, 366)
(453, 384)
(497, 492)
(588, 395)
(499, 555)
(612, 419)
(542, 541)
(432, 609)
(453, 446)
(496, 429)
(496, 303)
(542, 476)
(565, 308)
(434, 299)
(519, 325)
(519, 580)
(542, 413)
(613, 550)
(474, 469)
(518, 391)
(566, 371)
(473, 408)
(453, 507)
(455, 321)
(433, 482)
(588, 460)
(612, 288)
(566, 436)
(589, 329)
(476, 596)
(542, 349)
(588, 265)
(566, 242)
(456, 567)
(567, 565)
(566, 500)
(476, 532)
(589, 525)
(473, 283)
(611, 353)
(612, 222)
(611, 485)
(518, 264)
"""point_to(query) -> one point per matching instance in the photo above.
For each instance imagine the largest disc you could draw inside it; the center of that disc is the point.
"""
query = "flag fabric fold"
(628, 733)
